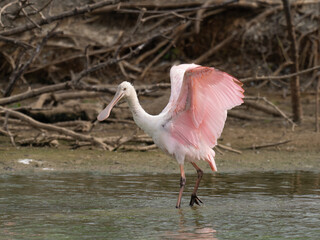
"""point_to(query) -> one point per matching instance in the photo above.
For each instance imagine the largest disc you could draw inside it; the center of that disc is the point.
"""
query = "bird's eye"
(124, 89)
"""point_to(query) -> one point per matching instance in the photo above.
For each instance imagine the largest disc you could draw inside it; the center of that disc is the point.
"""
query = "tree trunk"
(295, 81)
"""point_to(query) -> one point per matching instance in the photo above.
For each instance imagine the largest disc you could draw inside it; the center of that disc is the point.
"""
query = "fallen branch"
(254, 147)
(228, 148)
(64, 131)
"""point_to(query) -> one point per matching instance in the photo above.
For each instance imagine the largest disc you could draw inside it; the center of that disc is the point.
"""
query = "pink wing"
(176, 79)
(199, 112)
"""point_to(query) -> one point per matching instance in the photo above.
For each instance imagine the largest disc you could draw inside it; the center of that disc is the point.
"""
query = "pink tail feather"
(210, 160)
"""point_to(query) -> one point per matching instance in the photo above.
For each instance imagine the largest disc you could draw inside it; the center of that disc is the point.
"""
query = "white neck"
(143, 119)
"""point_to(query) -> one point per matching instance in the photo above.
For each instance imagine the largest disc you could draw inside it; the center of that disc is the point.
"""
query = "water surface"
(96, 206)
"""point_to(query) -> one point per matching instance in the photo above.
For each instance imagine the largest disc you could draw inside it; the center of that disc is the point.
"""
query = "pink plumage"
(200, 97)
(189, 126)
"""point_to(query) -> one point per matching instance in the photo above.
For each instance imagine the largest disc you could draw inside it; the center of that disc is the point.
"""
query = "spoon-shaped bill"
(104, 114)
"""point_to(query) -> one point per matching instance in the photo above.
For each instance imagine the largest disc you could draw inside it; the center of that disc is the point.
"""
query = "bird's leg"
(194, 198)
(182, 184)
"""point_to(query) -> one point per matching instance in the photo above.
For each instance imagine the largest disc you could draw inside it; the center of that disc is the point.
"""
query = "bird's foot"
(195, 200)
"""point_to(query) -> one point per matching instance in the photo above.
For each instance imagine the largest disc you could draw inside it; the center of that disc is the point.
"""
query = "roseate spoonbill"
(190, 124)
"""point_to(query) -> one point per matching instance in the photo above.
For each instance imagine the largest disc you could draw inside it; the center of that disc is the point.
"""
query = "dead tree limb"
(295, 82)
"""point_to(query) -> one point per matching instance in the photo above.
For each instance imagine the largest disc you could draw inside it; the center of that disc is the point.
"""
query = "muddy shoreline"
(301, 153)
(65, 160)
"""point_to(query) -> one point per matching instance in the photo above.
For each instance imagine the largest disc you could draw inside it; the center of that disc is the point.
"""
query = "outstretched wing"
(176, 79)
(199, 112)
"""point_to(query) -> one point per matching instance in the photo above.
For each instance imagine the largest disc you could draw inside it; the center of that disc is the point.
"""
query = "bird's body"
(190, 124)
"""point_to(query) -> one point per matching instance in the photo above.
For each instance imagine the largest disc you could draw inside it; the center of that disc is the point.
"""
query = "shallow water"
(94, 206)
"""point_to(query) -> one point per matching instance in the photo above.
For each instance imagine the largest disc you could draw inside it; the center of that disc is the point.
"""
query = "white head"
(125, 89)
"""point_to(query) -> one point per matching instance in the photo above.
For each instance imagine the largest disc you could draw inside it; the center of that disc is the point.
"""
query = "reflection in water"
(94, 206)
(197, 231)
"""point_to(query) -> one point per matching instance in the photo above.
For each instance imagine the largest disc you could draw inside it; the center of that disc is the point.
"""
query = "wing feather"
(176, 79)
(199, 112)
